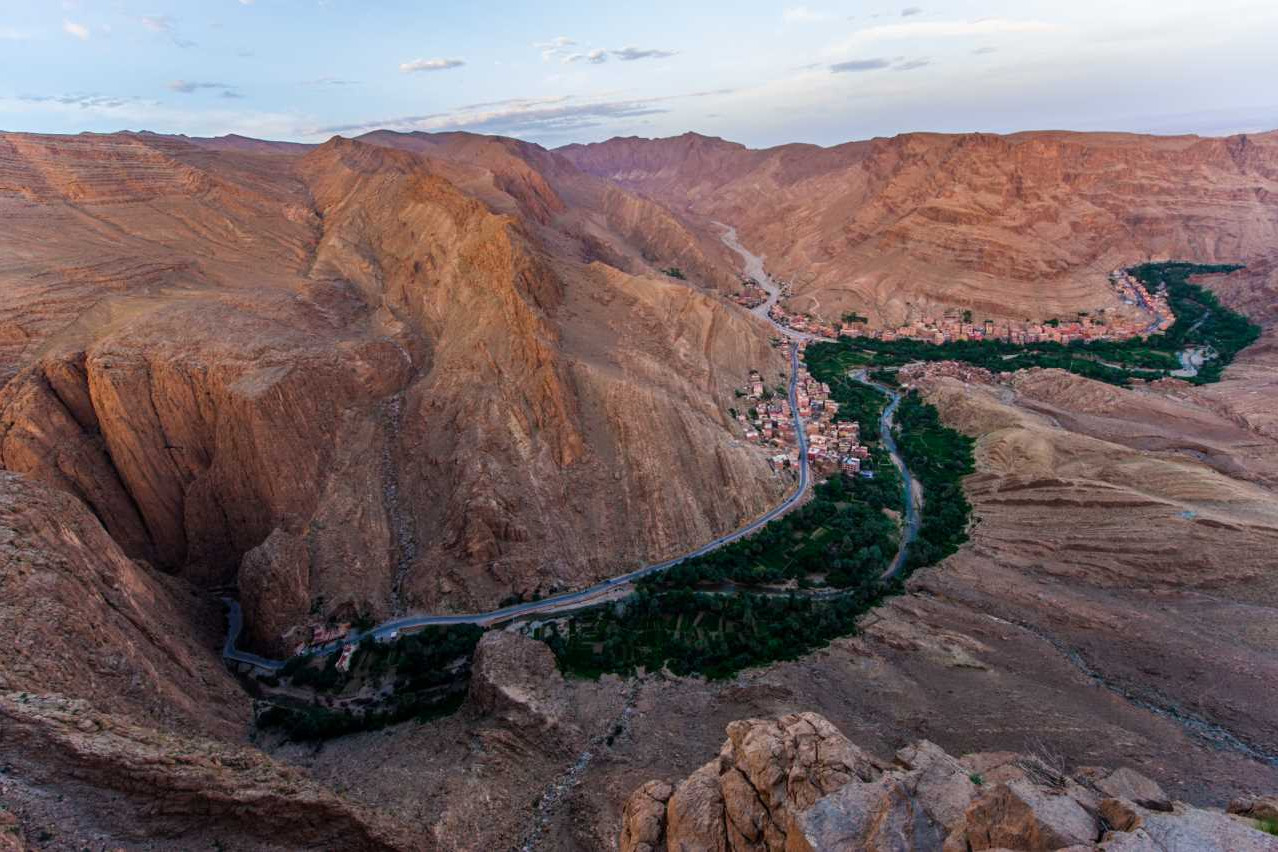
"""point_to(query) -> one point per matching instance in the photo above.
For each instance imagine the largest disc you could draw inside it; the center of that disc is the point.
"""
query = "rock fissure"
(403, 536)
(553, 795)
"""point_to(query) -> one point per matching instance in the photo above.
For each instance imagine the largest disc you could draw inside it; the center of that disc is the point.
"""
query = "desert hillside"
(427, 372)
(1013, 227)
(416, 364)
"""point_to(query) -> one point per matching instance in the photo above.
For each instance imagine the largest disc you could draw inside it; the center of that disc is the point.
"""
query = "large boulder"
(761, 790)
(1022, 815)
(515, 679)
(695, 814)
(644, 819)
(1126, 783)
(1200, 829)
(881, 815)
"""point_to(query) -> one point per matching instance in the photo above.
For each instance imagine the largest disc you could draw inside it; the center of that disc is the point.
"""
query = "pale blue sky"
(757, 72)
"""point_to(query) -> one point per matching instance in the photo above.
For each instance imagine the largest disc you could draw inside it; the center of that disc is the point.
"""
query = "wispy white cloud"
(430, 65)
(900, 63)
(599, 55)
(92, 101)
(521, 116)
(803, 15)
(594, 57)
(12, 34)
(556, 46)
(72, 28)
(630, 54)
(854, 65)
(187, 87)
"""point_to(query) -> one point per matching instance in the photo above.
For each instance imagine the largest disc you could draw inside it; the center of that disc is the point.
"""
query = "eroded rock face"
(414, 354)
(796, 783)
(275, 591)
(1022, 815)
(644, 819)
(84, 620)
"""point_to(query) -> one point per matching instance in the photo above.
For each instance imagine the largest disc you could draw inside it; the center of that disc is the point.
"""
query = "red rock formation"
(1014, 227)
(144, 784)
(393, 352)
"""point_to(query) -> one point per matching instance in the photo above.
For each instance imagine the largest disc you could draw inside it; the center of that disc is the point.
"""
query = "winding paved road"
(753, 266)
(569, 600)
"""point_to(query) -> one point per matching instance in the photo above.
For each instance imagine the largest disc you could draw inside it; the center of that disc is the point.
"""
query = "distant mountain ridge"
(1010, 227)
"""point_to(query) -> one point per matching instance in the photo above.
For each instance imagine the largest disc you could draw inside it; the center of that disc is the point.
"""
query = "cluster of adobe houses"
(1133, 292)
(751, 295)
(769, 422)
(940, 330)
(323, 634)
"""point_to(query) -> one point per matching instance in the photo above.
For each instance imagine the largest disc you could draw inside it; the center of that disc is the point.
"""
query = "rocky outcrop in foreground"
(796, 783)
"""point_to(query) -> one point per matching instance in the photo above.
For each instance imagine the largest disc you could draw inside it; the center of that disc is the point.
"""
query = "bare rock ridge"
(796, 783)
(207, 348)
(1011, 227)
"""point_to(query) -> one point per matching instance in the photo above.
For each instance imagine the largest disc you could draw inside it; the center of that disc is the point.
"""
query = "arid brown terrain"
(1010, 227)
(431, 385)
(416, 372)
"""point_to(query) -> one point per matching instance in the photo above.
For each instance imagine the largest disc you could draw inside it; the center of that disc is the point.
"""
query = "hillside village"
(947, 329)
(769, 422)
